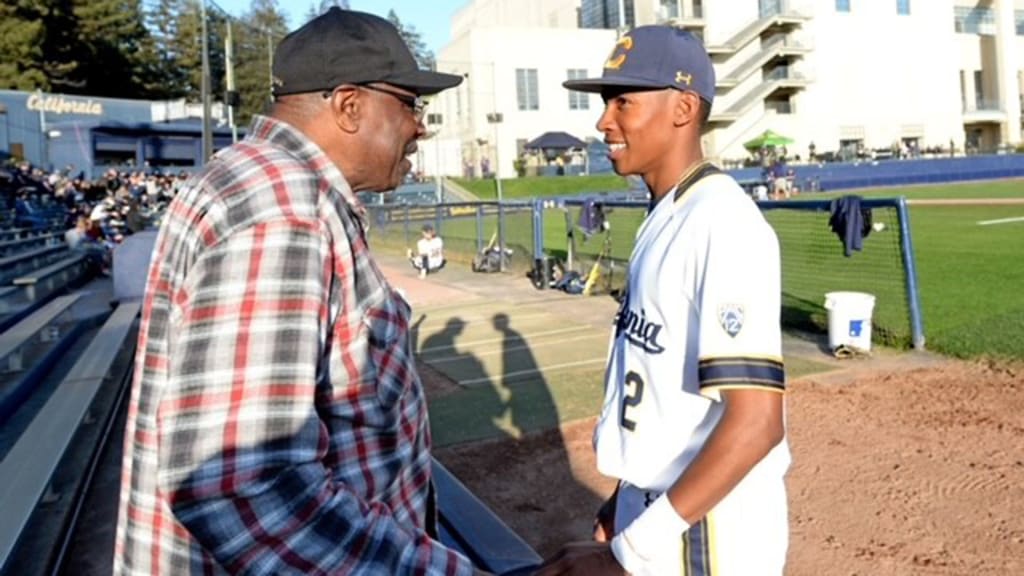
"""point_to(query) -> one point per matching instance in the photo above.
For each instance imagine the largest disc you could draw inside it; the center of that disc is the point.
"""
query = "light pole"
(435, 120)
(205, 86)
(495, 118)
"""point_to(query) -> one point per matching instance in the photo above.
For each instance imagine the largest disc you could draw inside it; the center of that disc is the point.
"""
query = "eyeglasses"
(415, 104)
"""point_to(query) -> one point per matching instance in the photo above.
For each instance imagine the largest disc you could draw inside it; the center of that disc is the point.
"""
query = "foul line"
(472, 381)
(1000, 221)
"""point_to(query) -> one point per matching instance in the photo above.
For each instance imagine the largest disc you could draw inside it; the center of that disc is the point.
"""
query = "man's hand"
(604, 522)
(582, 559)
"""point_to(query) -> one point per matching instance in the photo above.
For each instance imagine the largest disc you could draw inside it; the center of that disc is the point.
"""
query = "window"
(667, 10)
(526, 89)
(842, 5)
(1018, 20)
(903, 7)
(578, 100)
(967, 20)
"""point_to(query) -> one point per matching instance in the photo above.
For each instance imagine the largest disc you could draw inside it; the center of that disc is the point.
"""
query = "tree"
(257, 34)
(413, 39)
(324, 6)
(112, 45)
(176, 29)
(22, 37)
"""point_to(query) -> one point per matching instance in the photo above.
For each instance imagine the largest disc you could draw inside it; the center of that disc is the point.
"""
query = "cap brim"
(424, 82)
(598, 84)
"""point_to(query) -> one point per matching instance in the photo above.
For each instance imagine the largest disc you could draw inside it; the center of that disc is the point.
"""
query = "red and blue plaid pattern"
(277, 424)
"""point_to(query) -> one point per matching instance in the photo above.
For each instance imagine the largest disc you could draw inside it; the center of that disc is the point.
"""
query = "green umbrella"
(766, 139)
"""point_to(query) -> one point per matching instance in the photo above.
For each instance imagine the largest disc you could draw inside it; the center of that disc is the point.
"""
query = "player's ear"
(686, 108)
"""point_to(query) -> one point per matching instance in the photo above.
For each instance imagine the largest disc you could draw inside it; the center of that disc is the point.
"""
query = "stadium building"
(91, 134)
(841, 77)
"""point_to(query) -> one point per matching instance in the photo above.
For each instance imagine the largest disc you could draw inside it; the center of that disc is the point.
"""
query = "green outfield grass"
(969, 276)
(970, 279)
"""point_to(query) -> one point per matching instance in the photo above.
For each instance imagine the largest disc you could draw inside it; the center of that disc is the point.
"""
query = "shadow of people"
(539, 460)
(478, 409)
(529, 400)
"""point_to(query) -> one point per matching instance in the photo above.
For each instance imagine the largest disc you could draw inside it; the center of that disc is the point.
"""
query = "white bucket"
(849, 319)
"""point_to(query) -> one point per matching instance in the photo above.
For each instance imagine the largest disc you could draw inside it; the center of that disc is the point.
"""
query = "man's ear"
(347, 108)
(686, 109)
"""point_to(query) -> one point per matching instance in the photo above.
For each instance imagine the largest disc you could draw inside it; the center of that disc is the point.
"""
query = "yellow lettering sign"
(618, 56)
(61, 105)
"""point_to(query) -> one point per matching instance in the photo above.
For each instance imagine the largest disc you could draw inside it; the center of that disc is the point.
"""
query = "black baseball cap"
(657, 56)
(349, 47)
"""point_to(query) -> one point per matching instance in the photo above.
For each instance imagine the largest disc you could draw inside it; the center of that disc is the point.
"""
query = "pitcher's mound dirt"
(895, 473)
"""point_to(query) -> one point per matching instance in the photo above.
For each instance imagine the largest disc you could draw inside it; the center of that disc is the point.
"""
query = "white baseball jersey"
(433, 249)
(701, 314)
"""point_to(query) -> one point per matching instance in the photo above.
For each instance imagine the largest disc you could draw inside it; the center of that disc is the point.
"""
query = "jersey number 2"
(634, 394)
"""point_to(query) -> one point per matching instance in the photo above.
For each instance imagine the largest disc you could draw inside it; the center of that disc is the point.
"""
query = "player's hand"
(582, 559)
(604, 522)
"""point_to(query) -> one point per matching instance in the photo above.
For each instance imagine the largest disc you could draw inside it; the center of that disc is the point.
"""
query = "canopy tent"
(555, 141)
(767, 139)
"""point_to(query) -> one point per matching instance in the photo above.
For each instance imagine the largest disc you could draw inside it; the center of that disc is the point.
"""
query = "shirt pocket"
(389, 362)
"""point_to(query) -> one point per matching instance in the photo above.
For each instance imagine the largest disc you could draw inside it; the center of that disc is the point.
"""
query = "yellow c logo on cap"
(618, 56)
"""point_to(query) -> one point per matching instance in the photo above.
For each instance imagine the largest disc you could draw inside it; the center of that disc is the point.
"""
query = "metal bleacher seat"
(31, 463)
(44, 281)
(27, 348)
(469, 526)
(17, 264)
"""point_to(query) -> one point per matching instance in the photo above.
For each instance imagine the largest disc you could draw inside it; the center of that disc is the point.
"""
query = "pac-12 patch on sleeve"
(730, 316)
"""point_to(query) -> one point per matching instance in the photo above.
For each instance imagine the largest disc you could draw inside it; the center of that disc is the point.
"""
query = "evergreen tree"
(22, 34)
(325, 5)
(111, 40)
(258, 34)
(414, 40)
(163, 20)
(176, 30)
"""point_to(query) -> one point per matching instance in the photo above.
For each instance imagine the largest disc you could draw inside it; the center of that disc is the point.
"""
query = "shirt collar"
(281, 134)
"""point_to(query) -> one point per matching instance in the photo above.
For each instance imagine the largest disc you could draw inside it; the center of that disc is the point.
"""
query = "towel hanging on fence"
(850, 222)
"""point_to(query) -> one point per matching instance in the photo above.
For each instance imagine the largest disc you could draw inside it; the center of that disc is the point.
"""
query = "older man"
(277, 423)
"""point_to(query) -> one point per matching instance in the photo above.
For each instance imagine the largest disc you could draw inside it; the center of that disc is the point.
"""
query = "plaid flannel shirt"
(277, 423)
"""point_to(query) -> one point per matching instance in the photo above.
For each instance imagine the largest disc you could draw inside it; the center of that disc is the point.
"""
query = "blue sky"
(432, 18)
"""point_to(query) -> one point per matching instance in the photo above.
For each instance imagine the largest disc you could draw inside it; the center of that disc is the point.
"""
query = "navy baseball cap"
(348, 47)
(655, 57)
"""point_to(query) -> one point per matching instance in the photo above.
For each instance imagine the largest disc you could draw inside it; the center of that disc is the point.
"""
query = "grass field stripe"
(541, 370)
(500, 350)
(1000, 221)
(502, 338)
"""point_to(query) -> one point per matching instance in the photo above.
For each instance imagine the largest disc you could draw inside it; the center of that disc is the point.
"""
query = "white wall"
(875, 74)
(491, 57)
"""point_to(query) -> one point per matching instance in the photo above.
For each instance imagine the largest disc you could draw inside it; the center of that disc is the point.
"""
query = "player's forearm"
(742, 438)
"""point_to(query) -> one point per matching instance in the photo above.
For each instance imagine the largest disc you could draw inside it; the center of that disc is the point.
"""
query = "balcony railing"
(983, 105)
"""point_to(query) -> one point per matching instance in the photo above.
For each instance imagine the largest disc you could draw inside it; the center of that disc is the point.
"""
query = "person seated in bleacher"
(86, 238)
(429, 255)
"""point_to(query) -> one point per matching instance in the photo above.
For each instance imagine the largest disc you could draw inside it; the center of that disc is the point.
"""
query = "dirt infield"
(896, 471)
(903, 464)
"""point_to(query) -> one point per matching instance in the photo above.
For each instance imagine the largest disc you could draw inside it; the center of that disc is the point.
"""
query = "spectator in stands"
(429, 255)
(278, 424)
(82, 239)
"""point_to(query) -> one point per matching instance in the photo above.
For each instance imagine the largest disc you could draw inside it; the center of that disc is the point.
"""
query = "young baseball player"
(692, 423)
